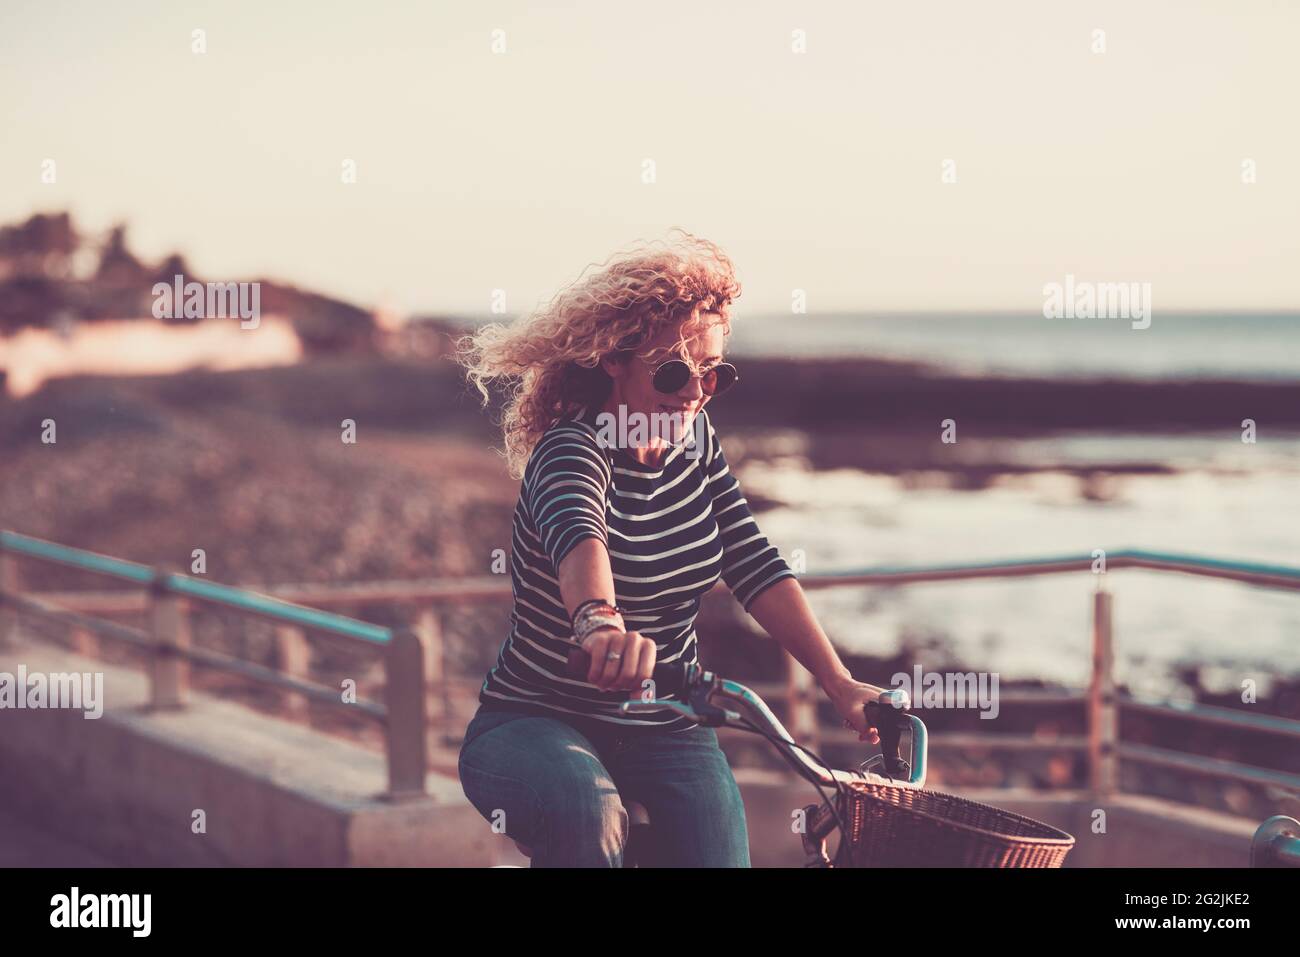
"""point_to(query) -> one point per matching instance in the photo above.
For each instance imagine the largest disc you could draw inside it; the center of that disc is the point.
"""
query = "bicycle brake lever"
(896, 769)
(713, 716)
(869, 766)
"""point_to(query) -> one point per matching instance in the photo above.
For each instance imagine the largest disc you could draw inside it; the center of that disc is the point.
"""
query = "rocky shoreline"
(174, 443)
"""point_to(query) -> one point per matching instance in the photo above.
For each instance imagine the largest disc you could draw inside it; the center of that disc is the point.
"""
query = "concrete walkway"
(22, 845)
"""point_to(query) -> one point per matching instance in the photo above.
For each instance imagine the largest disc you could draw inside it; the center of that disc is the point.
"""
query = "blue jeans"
(557, 786)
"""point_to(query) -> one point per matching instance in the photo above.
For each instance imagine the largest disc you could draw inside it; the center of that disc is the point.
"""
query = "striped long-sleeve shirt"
(671, 531)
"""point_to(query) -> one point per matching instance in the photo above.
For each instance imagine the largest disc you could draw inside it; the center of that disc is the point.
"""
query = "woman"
(627, 527)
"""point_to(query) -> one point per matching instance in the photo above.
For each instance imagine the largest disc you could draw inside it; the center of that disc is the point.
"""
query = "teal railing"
(167, 640)
(414, 657)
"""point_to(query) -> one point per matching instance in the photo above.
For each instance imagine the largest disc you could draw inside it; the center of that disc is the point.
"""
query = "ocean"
(1040, 627)
(1246, 346)
(1218, 497)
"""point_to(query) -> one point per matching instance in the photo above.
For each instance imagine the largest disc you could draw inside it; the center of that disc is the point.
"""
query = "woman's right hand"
(635, 662)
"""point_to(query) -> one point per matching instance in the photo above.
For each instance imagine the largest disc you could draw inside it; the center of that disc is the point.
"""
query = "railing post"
(1103, 708)
(293, 654)
(407, 724)
(169, 621)
(84, 642)
(9, 585)
(428, 628)
(802, 706)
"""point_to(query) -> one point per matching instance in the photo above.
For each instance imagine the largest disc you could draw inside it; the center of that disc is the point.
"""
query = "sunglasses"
(672, 375)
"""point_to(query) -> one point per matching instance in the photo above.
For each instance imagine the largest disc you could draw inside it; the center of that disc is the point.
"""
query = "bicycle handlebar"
(669, 677)
(889, 714)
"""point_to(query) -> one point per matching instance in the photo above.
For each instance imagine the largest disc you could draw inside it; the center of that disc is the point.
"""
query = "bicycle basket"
(909, 827)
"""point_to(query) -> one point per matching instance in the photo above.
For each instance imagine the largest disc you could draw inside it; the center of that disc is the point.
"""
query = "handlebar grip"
(889, 715)
(668, 677)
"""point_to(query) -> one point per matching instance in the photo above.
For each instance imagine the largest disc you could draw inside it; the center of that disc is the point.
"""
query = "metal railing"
(422, 650)
(167, 599)
(1103, 702)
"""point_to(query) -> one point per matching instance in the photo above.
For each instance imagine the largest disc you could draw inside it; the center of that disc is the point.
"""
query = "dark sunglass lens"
(719, 379)
(671, 376)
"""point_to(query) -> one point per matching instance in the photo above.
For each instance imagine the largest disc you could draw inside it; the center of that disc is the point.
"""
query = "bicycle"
(883, 812)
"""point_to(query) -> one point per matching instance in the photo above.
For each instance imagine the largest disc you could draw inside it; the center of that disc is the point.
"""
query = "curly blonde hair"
(549, 362)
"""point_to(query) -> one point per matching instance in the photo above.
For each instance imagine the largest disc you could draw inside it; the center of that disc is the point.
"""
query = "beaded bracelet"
(596, 611)
(593, 601)
(594, 623)
(594, 614)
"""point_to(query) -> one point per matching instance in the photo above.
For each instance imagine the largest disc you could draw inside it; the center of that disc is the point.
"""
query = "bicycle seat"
(637, 817)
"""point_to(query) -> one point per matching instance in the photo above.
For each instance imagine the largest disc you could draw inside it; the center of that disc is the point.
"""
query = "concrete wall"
(273, 793)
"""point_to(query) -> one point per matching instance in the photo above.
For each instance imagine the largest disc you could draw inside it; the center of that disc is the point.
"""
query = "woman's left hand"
(849, 695)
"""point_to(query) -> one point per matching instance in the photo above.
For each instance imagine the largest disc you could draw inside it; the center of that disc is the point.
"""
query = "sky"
(504, 146)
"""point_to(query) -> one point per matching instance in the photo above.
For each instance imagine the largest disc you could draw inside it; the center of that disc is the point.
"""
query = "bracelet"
(594, 601)
(600, 609)
(595, 623)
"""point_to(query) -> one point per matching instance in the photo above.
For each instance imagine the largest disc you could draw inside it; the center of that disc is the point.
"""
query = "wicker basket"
(906, 827)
